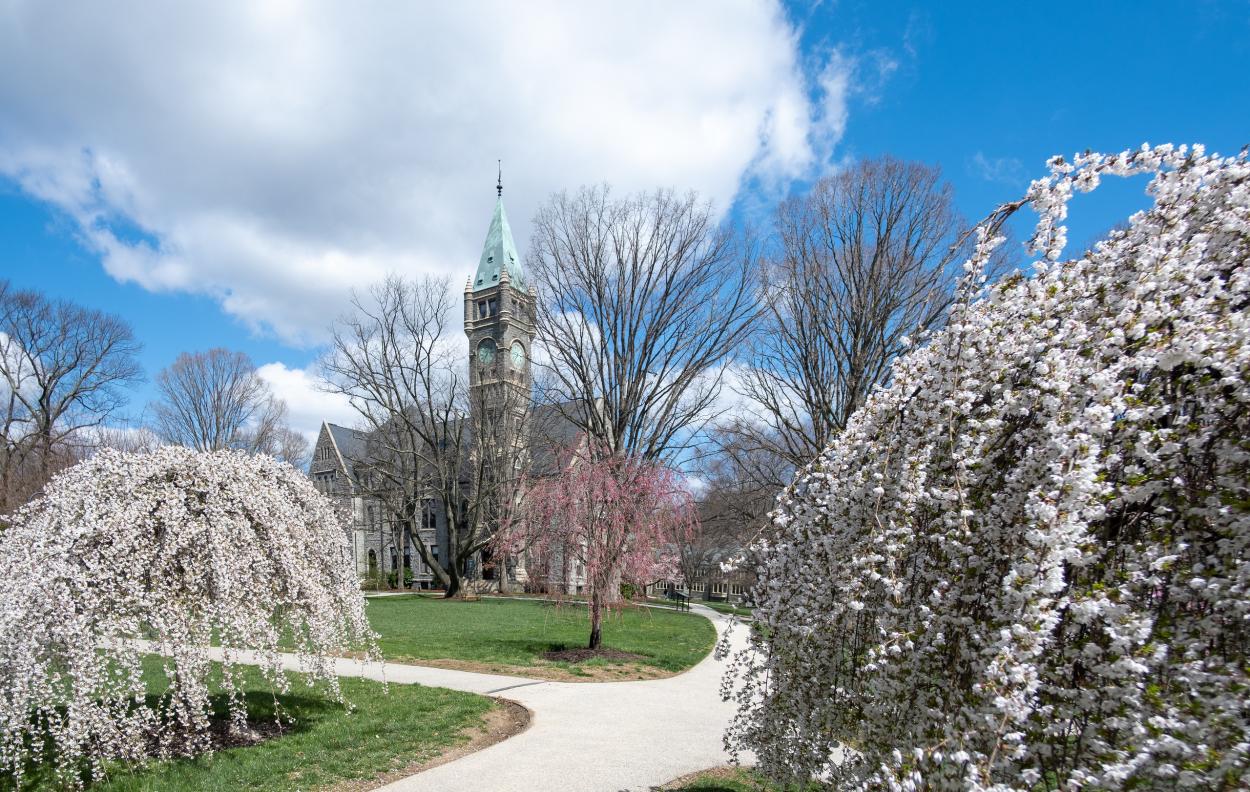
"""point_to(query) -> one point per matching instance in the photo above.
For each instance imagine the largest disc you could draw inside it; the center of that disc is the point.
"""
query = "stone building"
(499, 321)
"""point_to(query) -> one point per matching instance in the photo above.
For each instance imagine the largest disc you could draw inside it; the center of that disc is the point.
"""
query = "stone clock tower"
(499, 321)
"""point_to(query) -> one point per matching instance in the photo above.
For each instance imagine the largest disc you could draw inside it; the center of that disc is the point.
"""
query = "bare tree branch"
(868, 258)
(63, 369)
(640, 301)
(216, 399)
(392, 359)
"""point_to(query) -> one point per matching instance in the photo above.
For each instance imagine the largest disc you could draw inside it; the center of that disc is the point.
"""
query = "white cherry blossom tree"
(1024, 566)
(162, 552)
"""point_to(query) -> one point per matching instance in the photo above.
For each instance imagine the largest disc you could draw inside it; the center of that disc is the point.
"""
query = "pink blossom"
(618, 516)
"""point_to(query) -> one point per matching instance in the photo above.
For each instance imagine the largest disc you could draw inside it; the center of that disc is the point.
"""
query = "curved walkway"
(590, 737)
(583, 736)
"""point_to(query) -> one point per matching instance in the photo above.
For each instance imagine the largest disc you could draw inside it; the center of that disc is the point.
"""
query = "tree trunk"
(381, 578)
(430, 560)
(453, 582)
(45, 457)
(596, 620)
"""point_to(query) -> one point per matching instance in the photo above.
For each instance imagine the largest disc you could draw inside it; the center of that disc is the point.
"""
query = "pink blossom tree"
(619, 516)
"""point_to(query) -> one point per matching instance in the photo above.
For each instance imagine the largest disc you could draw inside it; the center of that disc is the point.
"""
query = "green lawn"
(324, 745)
(513, 634)
(725, 607)
(719, 607)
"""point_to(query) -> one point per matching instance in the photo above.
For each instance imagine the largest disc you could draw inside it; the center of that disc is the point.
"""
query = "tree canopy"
(64, 371)
(641, 301)
(217, 399)
(618, 517)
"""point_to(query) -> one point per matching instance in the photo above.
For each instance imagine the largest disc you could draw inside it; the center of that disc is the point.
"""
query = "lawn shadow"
(270, 716)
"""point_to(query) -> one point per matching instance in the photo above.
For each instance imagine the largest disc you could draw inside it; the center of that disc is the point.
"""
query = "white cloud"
(308, 404)
(1002, 170)
(695, 485)
(835, 85)
(275, 155)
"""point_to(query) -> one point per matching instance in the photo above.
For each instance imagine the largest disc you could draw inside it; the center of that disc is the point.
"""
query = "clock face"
(518, 355)
(486, 352)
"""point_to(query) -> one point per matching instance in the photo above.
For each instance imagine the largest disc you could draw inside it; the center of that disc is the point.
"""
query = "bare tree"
(867, 259)
(131, 440)
(392, 358)
(640, 302)
(216, 399)
(733, 509)
(285, 443)
(734, 504)
(63, 369)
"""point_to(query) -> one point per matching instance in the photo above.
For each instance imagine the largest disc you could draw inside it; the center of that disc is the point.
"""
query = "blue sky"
(222, 177)
(989, 91)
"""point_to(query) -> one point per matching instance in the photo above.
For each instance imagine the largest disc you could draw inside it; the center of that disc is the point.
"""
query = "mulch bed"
(579, 655)
(257, 732)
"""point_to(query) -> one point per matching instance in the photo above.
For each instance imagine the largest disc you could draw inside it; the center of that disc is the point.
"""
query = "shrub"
(392, 579)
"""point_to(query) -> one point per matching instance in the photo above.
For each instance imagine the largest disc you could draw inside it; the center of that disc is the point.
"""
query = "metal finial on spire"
(499, 184)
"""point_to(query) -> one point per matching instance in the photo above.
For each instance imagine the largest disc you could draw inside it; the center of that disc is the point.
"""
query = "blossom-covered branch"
(1024, 565)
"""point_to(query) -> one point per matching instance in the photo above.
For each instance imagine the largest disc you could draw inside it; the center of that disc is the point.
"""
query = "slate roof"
(554, 436)
(351, 443)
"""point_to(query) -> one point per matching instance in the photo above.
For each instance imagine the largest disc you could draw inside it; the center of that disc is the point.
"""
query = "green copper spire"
(499, 251)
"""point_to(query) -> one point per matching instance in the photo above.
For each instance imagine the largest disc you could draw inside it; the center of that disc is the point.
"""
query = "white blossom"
(1024, 565)
(174, 547)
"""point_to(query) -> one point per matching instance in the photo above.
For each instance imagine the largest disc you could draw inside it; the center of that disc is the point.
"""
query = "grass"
(725, 607)
(719, 607)
(511, 635)
(325, 745)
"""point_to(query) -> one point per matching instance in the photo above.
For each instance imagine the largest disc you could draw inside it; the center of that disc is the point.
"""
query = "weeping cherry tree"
(126, 556)
(618, 517)
(1026, 564)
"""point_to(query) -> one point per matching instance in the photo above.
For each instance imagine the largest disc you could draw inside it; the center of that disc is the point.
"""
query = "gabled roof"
(349, 442)
(498, 252)
(554, 437)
